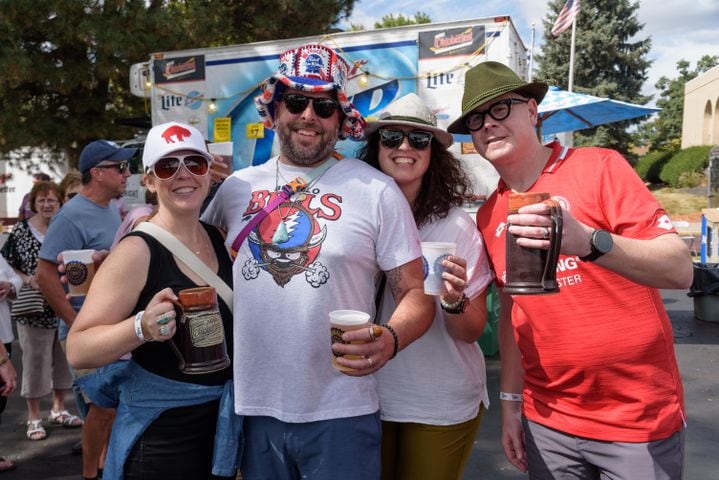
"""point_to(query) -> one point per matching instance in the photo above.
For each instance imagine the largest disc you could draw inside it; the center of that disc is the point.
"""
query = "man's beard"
(301, 155)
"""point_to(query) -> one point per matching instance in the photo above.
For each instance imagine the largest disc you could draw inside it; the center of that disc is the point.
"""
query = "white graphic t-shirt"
(321, 250)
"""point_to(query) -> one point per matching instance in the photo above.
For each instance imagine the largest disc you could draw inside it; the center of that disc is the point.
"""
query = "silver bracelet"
(138, 327)
(512, 397)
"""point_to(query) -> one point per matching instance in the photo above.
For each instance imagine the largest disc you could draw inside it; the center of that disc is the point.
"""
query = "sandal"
(35, 430)
(64, 418)
(6, 465)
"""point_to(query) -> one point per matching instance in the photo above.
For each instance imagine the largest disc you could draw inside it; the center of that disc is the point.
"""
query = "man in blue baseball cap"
(105, 154)
(87, 221)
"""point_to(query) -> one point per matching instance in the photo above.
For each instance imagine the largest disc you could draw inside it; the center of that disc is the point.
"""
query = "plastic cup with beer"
(80, 270)
(342, 321)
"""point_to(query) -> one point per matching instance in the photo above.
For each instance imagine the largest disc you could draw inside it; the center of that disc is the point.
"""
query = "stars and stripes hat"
(311, 68)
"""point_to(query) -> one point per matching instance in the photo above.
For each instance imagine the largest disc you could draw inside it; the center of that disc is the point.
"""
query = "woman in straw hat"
(433, 395)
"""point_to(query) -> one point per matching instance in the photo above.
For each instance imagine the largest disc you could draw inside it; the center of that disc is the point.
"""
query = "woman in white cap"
(432, 395)
(167, 419)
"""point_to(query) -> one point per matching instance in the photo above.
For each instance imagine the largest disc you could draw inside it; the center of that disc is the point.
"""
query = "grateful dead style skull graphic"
(294, 253)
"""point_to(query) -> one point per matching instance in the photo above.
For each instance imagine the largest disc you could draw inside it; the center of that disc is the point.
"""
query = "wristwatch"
(601, 242)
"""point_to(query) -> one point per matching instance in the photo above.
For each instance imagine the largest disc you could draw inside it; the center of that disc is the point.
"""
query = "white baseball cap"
(170, 137)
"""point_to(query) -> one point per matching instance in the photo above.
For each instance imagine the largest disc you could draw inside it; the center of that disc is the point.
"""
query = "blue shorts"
(346, 448)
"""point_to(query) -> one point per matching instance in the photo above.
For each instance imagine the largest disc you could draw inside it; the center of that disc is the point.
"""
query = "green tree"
(66, 64)
(389, 21)
(664, 133)
(609, 62)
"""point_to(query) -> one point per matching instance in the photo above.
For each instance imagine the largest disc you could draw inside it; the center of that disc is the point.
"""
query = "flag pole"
(571, 55)
(531, 55)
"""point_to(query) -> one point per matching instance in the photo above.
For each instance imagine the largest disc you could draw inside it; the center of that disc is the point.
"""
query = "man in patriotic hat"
(590, 383)
(313, 233)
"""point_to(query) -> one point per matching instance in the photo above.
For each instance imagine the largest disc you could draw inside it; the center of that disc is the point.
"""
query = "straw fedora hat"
(487, 81)
(410, 111)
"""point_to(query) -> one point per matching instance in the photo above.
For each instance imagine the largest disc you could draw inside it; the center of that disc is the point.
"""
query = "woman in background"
(433, 394)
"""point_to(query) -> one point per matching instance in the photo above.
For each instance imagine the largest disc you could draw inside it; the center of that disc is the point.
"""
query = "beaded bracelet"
(138, 327)
(395, 338)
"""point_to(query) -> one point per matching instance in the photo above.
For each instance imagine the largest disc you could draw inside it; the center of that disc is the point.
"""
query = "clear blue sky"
(679, 29)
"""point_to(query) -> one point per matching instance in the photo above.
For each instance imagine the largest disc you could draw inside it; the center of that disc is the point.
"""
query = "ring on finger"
(375, 331)
(546, 232)
(164, 318)
(369, 361)
(164, 330)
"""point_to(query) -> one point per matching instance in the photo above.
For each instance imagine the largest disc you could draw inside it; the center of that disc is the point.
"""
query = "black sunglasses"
(297, 103)
(498, 111)
(121, 167)
(393, 138)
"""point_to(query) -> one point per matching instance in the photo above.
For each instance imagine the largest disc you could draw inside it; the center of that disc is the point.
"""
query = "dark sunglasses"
(121, 167)
(392, 138)
(167, 167)
(498, 111)
(297, 103)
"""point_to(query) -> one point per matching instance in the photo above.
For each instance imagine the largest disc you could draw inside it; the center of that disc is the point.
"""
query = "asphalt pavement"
(697, 348)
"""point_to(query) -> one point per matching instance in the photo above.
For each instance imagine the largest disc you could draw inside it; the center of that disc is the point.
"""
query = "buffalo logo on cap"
(176, 131)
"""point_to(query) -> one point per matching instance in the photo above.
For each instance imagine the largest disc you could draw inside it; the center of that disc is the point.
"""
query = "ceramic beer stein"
(199, 343)
(533, 271)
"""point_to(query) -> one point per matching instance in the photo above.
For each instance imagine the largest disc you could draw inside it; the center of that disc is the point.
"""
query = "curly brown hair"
(444, 185)
(43, 187)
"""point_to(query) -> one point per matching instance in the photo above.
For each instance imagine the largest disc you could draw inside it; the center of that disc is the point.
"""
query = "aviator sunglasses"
(393, 138)
(498, 111)
(297, 103)
(167, 167)
(121, 167)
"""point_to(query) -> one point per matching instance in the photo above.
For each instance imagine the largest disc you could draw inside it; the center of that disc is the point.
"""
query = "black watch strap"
(601, 242)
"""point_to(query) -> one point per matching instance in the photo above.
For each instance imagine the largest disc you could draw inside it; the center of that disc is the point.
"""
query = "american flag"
(566, 16)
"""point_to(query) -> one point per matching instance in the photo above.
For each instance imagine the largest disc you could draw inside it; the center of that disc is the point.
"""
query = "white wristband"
(512, 397)
(138, 327)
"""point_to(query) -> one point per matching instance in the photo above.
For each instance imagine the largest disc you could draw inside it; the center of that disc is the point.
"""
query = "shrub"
(692, 159)
(650, 165)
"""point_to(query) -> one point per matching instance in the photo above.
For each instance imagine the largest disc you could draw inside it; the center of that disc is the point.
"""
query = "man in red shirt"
(590, 386)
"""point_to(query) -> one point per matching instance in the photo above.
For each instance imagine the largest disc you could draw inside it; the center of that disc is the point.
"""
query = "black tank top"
(158, 357)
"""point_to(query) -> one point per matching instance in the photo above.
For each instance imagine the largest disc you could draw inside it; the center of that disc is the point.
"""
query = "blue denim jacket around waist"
(140, 397)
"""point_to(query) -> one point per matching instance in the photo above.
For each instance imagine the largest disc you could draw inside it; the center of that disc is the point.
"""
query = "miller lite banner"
(180, 83)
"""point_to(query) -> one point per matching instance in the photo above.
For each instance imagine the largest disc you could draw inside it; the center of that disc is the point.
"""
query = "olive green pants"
(415, 451)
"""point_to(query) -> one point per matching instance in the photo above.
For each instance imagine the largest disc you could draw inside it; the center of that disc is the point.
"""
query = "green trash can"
(489, 341)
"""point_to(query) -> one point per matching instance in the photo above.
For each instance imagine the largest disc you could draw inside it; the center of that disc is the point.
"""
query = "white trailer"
(213, 88)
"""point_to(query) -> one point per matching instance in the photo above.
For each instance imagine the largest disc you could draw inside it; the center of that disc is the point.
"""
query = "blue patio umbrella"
(563, 111)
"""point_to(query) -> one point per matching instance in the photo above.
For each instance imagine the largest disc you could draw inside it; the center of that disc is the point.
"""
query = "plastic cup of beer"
(224, 149)
(433, 253)
(342, 321)
(80, 270)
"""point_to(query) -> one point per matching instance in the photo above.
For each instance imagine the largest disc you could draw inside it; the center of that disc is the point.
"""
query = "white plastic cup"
(342, 321)
(432, 255)
(80, 270)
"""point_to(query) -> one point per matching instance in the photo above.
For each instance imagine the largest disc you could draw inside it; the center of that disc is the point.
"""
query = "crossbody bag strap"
(287, 190)
(188, 258)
